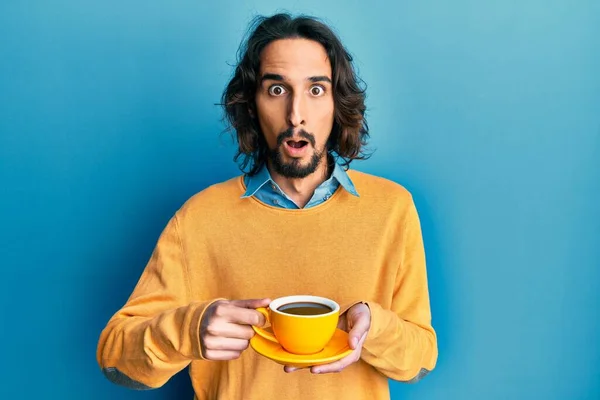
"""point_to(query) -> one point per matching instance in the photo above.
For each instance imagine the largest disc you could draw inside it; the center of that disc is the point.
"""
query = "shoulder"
(214, 199)
(377, 187)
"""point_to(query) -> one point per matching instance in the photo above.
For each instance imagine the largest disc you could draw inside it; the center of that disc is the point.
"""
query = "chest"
(341, 259)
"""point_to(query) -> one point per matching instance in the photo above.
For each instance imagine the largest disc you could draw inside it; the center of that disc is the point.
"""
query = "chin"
(302, 160)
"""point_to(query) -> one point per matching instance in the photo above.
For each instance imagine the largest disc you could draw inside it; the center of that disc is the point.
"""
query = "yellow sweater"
(218, 245)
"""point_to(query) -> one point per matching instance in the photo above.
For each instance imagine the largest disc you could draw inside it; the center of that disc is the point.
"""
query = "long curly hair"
(350, 130)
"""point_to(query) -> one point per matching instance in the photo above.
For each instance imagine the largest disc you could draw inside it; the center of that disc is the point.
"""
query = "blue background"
(489, 112)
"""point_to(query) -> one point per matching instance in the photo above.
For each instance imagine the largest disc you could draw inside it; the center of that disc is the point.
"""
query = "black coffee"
(305, 308)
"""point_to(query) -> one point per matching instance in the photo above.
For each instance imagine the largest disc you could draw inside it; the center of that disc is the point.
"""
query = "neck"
(300, 190)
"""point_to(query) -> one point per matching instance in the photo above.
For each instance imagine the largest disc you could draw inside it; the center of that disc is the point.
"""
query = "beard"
(294, 168)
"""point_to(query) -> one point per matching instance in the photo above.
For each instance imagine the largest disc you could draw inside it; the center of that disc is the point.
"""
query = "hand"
(357, 322)
(225, 329)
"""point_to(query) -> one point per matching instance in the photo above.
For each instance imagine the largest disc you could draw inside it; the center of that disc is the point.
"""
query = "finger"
(251, 303)
(219, 355)
(225, 344)
(230, 330)
(359, 330)
(239, 315)
(245, 316)
(289, 369)
(337, 366)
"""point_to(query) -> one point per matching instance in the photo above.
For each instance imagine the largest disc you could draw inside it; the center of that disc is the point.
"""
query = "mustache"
(289, 133)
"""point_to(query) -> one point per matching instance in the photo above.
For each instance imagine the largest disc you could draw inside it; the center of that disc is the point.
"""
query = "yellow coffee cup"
(301, 324)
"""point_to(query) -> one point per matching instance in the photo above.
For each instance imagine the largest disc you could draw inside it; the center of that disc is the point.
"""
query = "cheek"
(323, 111)
(324, 116)
(270, 120)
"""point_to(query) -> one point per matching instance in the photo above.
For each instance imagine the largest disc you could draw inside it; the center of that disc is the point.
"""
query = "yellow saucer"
(336, 349)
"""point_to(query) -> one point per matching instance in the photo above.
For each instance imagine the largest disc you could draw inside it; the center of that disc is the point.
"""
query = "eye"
(317, 90)
(277, 90)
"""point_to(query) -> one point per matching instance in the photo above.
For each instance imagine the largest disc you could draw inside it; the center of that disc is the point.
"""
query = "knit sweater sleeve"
(401, 342)
(156, 333)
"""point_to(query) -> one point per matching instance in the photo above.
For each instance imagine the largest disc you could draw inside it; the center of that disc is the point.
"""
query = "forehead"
(295, 59)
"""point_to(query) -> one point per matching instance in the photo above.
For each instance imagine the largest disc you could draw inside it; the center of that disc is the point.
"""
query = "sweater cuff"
(380, 320)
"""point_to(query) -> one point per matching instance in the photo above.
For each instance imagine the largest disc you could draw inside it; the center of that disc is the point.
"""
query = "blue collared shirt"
(265, 189)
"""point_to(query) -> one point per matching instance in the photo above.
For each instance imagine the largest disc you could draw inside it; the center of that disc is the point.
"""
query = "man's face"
(294, 102)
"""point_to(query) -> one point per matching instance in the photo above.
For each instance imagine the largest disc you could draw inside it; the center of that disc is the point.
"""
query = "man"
(296, 223)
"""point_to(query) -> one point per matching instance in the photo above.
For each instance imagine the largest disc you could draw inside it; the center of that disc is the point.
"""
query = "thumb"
(251, 303)
(356, 340)
(358, 332)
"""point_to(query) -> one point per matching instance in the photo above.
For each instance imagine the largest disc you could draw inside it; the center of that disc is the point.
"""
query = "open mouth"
(297, 144)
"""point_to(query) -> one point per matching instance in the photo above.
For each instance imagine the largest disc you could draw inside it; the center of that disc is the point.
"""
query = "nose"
(296, 111)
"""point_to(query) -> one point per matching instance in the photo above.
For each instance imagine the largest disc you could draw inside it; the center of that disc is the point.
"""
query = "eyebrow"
(321, 78)
(281, 78)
